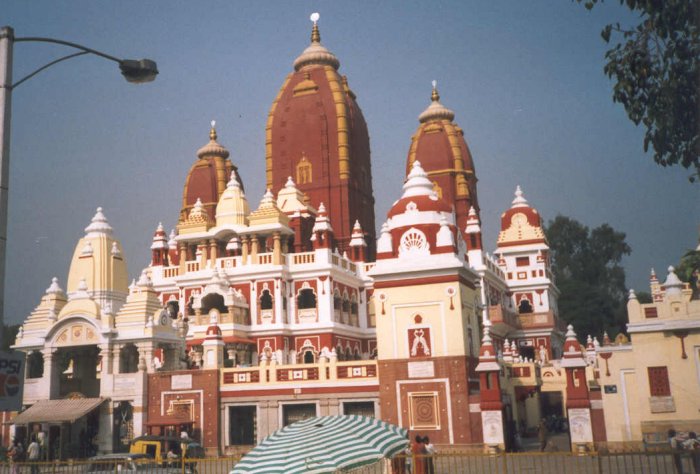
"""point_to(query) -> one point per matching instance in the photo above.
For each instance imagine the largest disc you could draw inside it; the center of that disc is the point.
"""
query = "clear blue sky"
(524, 78)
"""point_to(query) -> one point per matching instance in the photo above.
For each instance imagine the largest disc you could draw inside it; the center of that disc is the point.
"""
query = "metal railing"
(442, 463)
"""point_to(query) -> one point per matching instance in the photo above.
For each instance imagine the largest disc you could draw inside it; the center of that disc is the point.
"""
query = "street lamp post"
(134, 71)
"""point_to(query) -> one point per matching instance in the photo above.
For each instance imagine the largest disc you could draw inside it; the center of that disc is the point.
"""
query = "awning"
(57, 411)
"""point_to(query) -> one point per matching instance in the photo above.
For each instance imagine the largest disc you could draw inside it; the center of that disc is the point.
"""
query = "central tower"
(317, 135)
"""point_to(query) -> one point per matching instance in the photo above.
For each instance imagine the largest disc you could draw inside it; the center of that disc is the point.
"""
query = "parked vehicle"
(158, 447)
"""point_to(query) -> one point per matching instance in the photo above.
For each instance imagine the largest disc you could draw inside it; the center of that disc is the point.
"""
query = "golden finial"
(315, 34)
(212, 132)
(435, 97)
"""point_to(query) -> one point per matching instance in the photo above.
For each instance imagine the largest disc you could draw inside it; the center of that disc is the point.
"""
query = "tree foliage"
(587, 271)
(689, 270)
(656, 69)
(9, 334)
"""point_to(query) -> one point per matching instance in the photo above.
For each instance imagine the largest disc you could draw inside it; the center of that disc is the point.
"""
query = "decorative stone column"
(491, 405)
(116, 358)
(203, 254)
(182, 263)
(578, 404)
(51, 373)
(245, 244)
(254, 247)
(213, 252)
(276, 249)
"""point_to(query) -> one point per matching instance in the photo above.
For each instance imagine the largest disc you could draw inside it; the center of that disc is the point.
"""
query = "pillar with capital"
(489, 370)
(578, 404)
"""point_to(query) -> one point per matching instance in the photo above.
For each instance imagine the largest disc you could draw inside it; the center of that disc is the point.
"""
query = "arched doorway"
(78, 371)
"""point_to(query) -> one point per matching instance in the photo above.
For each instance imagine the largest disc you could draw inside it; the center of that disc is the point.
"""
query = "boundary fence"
(663, 462)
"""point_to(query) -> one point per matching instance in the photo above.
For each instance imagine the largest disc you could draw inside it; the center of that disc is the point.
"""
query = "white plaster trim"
(299, 384)
(353, 400)
(626, 408)
(447, 396)
(227, 418)
(663, 325)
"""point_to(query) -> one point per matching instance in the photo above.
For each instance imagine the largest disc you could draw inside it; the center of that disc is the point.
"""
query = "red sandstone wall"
(203, 392)
(394, 404)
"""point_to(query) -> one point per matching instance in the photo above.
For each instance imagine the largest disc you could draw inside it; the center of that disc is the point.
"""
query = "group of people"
(418, 458)
(690, 446)
(16, 454)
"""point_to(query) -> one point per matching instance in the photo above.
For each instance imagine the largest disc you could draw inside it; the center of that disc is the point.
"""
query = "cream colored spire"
(436, 111)
(213, 148)
(519, 200)
(104, 272)
(54, 288)
(232, 207)
(99, 225)
(673, 285)
(316, 53)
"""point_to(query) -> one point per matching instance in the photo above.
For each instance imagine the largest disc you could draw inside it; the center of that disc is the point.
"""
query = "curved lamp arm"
(136, 71)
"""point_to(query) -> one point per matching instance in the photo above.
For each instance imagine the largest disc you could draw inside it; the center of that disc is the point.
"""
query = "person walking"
(542, 434)
(675, 451)
(430, 450)
(692, 445)
(33, 455)
(419, 452)
(13, 456)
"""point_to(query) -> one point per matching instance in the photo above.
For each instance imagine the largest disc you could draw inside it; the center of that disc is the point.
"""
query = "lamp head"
(138, 71)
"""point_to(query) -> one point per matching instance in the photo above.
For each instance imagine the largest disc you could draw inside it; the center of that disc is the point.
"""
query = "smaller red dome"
(521, 224)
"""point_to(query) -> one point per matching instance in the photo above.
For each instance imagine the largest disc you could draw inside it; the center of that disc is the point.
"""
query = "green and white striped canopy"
(324, 444)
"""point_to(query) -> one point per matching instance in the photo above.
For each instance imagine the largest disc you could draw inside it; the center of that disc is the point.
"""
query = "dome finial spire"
(315, 34)
(212, 132)
(435, 97)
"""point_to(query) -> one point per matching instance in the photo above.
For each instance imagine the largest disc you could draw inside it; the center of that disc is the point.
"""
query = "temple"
(252, 316)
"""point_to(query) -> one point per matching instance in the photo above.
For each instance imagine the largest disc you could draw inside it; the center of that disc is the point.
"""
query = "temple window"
(211, 301)
(265, 300)
(35, 365)
(128, 359)
(173, 308)
(524, 307)
(309, 357)
(306, 299)
(336, 303)
(658, 382)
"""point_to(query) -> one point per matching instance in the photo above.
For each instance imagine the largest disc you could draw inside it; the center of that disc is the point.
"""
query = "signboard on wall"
(580, 425)
(181, 382)
(492, 426)
(11, 380)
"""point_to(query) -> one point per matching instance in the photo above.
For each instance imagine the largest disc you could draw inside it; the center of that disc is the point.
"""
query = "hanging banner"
(11, 380)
